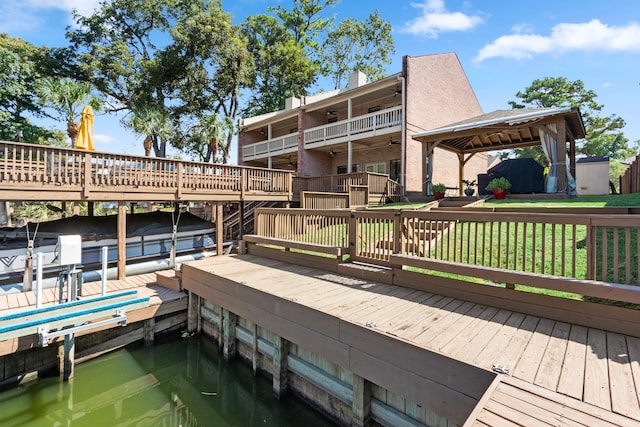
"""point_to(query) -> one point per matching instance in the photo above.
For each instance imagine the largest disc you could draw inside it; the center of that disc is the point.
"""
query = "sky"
(502, 45)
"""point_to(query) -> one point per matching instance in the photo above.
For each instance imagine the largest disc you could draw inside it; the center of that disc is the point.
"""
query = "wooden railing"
(271, 147)
(358, 125)
(592, 247)
(315, 227)
(379, 186)
(45, 168)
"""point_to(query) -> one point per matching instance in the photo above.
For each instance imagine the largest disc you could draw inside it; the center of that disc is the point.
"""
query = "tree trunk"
(72, 131)
(148, 145)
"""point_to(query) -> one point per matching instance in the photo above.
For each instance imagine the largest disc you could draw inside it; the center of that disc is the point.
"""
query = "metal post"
(105, 262)
(39, 268)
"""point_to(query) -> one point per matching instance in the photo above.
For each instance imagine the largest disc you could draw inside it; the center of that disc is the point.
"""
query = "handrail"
(270, 147)
(565, 247)
(359, 124)
(32, 166)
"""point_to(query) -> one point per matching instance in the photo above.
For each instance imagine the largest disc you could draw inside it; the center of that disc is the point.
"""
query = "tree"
(604, 135)
(152, 124)
(285, 48)
(358, 46)
(67, 97)
(18, 96)
(181, 59)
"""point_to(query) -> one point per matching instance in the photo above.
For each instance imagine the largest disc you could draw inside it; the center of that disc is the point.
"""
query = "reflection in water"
(177, 383)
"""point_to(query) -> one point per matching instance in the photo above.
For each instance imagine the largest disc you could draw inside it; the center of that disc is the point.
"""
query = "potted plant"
(438, 190)
(499, 187)
(468, 187)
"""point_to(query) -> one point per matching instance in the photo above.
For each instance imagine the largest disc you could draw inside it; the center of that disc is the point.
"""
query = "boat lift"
(74, 315)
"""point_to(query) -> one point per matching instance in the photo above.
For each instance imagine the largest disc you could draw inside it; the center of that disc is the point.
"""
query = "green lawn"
(596, 201)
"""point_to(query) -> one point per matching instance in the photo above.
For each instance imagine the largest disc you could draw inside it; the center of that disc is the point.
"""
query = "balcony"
(360, 127)
(271, 147)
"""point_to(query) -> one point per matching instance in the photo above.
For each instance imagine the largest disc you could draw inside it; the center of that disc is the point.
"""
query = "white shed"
(592, 175)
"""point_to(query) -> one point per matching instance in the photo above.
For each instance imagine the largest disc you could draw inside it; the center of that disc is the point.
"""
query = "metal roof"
(502, 129)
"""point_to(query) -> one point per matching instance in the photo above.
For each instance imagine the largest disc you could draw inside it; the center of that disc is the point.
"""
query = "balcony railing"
(356, 128)
(271, 147)
(30, 172)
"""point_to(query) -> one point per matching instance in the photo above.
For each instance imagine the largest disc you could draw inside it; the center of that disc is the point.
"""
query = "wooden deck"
(550, 364)
(145, 284)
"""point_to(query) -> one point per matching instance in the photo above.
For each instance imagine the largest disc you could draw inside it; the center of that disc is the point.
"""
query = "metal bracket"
(45, 335)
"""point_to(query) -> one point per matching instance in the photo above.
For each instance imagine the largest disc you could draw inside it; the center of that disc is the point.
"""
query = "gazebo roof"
(503, 129)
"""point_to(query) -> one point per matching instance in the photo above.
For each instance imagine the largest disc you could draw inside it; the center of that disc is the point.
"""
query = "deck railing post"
(105, 263)
(39, 268)
(353, 235)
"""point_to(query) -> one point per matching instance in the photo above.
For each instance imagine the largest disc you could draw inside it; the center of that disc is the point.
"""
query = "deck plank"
(551, 365)
(528, 365)
(633, 346)
(571, 380)
(624, 399)
(596, 379)
(484, 336)
(459, 344)
(491, 354)
(450, 329)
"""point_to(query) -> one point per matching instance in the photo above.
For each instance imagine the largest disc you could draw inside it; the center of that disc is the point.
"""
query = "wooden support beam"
(193, 312)
(68, 356)
(361, 403)
(254, 349)
(241, 222)
(229, 331)
(280, 368)
(149, 331)
(220, 228)
(122, 240)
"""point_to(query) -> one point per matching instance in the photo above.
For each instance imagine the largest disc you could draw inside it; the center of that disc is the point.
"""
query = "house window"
(394, 170)
(343, 169)
(376, 167)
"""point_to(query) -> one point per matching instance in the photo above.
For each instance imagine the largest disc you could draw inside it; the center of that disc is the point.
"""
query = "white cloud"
(436, 19)
(589, 36)
(84, 7)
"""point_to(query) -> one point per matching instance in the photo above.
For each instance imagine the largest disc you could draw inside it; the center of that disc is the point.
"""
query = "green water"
(176, 383)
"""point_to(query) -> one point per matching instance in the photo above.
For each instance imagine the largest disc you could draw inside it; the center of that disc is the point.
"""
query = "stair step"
(170, 279)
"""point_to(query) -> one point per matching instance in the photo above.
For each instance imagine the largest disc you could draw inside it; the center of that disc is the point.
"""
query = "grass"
(580, 201)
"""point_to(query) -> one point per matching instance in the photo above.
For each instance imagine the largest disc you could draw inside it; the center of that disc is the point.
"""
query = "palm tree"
(67, 97)
(154, 126)
(216, 132)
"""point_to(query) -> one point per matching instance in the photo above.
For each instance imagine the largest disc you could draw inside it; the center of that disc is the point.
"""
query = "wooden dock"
(161, 301)
(555, 373)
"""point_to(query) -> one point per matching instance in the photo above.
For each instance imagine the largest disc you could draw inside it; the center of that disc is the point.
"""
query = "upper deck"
(38, 172)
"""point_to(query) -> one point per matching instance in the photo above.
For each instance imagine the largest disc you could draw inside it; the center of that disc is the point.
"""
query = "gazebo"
(551, 128)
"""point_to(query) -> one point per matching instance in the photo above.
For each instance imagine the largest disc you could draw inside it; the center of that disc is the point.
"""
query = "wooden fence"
(592, 255)
(630, 180)
(104, 176)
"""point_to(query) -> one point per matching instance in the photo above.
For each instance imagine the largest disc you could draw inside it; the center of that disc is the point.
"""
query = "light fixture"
(392, 142)
(261, 131)
(332, 153)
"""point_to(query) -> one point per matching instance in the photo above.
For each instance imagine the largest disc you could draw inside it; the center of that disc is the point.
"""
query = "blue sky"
(502, 45)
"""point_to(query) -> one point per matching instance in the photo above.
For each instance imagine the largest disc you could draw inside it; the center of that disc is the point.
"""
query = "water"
(176, 383)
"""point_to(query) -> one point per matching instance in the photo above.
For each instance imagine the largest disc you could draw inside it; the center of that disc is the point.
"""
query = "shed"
(592, 175)
(525, 175)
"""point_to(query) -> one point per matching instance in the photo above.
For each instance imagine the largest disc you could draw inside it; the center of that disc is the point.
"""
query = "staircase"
(232, 221)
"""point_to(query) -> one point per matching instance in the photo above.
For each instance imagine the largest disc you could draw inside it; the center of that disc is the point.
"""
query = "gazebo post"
(561, 153)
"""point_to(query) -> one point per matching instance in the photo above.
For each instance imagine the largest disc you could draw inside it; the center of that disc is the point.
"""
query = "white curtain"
(549, 145)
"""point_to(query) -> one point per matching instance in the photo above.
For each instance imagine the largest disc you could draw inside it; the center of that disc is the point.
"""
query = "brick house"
(370, 126)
